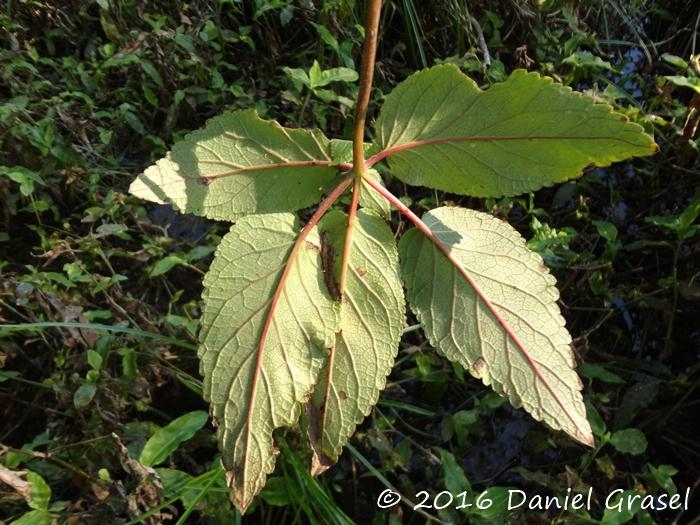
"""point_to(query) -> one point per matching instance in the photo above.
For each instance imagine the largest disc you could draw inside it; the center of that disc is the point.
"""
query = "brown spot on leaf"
(342, 395)
(478, 367)
(203, 181)
(235, 472)
(327, 264)
(320, 462)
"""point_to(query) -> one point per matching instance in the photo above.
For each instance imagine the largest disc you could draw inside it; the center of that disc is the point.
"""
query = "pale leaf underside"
(491, 306)
(438, 129)
(237, 165)
(263, 341)
(372, 317)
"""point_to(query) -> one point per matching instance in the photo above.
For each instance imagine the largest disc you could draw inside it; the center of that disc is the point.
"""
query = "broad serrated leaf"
(372, 317)
(265, 337)
(240, 164)
(438, 129)
(491, 306)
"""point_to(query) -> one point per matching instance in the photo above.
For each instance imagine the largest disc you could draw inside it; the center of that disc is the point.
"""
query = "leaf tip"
(585, 436)
(320, 463)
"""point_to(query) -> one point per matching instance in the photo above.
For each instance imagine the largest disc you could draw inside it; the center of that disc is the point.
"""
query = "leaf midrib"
(325, 164)
(504, 325)
(414, 144)
(279, 290)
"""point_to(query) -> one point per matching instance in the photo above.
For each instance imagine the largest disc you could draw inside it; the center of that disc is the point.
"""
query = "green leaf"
(152, 72)
(327, 95)
(298, 76)
(371, 322)
(104, 230)
(621, 507)
(315, 75)
(40, 492)
(463, 421)
(94, 359)
(199, 252)
(240, 164)
(681, 224)
(455, 479)
(674, 60)
(327, 37)
(629, 441)
(491, 306)
(26, 178)
(689, 215)
(276, 492)
(663, 476)
(587, 60)
(370, 199)
(336, 74)
(606, 230)
(438, 129)
(598, 372)
(134, 122)
(319, 78)
(9, 374)
(34, 517)
(594, 418)
(166, 264)
(341, 151)
(166, 440)
(689, 82)
(84, 395)
(265, 336)
(178, 484)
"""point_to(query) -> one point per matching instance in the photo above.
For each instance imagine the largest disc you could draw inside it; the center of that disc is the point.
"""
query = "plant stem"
(349, 231)
(300, 117)
(369, 53)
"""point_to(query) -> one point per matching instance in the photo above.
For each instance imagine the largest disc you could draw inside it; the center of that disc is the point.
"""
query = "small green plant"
(684, 227)
(307, 319)
(314, 81)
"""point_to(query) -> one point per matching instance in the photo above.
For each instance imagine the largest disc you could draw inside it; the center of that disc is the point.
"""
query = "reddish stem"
(369, 53)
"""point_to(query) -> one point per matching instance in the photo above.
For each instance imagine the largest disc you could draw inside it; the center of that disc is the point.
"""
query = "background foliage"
(93, 92)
